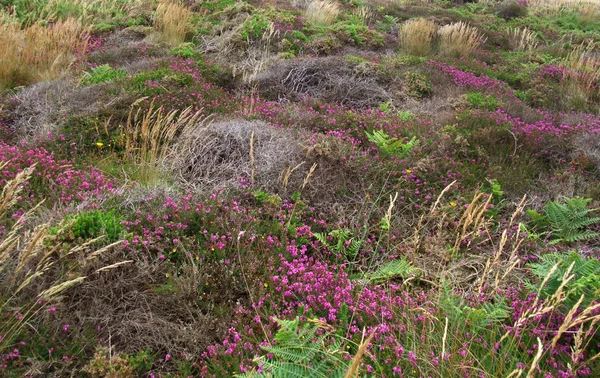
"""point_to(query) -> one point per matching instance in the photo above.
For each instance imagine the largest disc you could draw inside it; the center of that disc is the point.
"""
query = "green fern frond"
(389, 145)
(568, 221)
(401, 268)
(586, 272)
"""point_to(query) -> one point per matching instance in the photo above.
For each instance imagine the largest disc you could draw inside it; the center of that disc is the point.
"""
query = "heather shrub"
(416, 36)
(459, 39)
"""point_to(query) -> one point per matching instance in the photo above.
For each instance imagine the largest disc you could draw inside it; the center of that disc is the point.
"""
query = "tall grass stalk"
(149, 135)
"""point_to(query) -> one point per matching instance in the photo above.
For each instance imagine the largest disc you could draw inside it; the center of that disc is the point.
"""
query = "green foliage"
(566, 222)
(391, 146)
(398, 268)
(355, 31)
(141, 362)
(475, 320)
(185, 50)
(254, 26)
(95, 223)
(387, 23)
(343, 242)
(480, 100)
(102, 74)
(585, 281)
(310, 350)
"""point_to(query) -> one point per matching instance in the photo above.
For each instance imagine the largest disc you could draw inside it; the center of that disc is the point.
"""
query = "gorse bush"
(566, 222)
(102, 74)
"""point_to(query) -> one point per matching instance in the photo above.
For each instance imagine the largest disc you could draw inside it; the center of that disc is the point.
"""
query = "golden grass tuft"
(39, 52)
(322, 12)
(459, 39)
(416, 36)
(522, 39)
(173, 21)
(150, 134)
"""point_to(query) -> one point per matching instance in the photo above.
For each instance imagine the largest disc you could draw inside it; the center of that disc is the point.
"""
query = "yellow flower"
(453, 204)
(167, 275)
(266, 284)
(99, 144)
(408, 171)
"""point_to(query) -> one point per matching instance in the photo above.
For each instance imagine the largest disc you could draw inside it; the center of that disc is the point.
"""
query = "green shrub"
(95, 223)
(185, 50)
(480, 100)
(254, 26)
(102, 74)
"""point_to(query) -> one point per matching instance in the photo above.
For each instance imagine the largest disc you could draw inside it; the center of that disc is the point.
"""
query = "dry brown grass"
(322, 12)
(39, 52)
(459, 39)
(173, 20)
(416, 36)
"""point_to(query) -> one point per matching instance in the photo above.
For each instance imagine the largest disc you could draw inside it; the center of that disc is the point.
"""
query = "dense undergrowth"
(307, 188)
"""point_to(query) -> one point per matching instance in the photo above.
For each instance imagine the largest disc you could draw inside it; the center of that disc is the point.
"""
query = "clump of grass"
(174, 21)
(582, 75)
(522, 39)
(322, 12)
(416, 36)
(149, 135)
(39, 52)
(459, 39)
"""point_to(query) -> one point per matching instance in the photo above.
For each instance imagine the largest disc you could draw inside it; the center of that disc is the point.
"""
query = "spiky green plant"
(307, 350)
(391, 146)
(566, 222)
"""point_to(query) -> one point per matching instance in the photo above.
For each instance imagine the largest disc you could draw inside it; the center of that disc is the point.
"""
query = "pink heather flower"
(167, 357)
